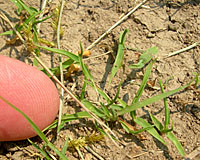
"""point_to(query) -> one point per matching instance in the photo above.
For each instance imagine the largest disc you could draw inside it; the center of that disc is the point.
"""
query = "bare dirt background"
(169, 25)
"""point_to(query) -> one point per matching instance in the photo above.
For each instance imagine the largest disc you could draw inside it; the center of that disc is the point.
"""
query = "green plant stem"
(167, 114)
(37, 130)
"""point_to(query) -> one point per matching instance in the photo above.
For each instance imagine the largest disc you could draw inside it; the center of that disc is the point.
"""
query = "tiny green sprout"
(145, 58)
(197, 81)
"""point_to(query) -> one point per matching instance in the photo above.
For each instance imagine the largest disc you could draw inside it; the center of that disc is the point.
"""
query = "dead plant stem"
(60, 63)
(43, 5)
(184, 49)
(116, 24)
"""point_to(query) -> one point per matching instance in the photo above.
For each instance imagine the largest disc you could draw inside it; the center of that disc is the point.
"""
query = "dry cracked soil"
(169, 25)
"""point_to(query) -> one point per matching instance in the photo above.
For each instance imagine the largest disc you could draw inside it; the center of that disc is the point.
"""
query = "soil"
(169, 25)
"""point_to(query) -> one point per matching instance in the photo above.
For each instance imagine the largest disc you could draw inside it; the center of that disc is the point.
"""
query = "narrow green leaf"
(120, 55)
(152, 131)
(40, 150)
(85, 70)
(35, 62)
(64, 149)
(67, 118)
(56, 70)
(92, 108)
(167, 112)
(176, 142)
(30, 11)
(116, 96)
(20, 8)
(83, 89)
(105, 111)
(124, 105)
(156, 122)
(31, 17)
(144, 82)
(128, 130)
(145, 58)
(37, 130)
(11, 32)
(41, 20)
(116, 107)
(62, 156)
(62, 52)
(151, 100)
(197, 80)
(142, 86)
(100, 92)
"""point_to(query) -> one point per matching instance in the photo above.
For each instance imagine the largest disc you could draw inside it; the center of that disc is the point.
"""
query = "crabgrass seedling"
(109, 110)
(145, 58)
(120, 55)
(165, 129)
(112, 110)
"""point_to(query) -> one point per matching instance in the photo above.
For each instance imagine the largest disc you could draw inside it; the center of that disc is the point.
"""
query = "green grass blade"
(105, 111)
(120, 55)
(40, 150)
(83, 89)
(29, 10)
(142, 86)
(62, 52)
(64, 149)
(56, 70)
(93, 109)
(31, 17)
(128, 130)
(68, 118)
(116, 96)
(116, 107)
(37, 130)
(19, 6)
(152, 131)
(85, 70)
(167, 112)
(144, 82)
(100, 92)
(197, 80)
(11, 32)
(42, 20)
(145, 58)
(152, 100)
(123, 104)
(156, 122)
(178, 145)
(62, 156)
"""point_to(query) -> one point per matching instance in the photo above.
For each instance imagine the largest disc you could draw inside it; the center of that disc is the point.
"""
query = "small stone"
(172, 27)
(150, 35)
(98, 146)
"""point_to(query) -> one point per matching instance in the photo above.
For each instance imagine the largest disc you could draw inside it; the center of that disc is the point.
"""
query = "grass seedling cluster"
(109, 110)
